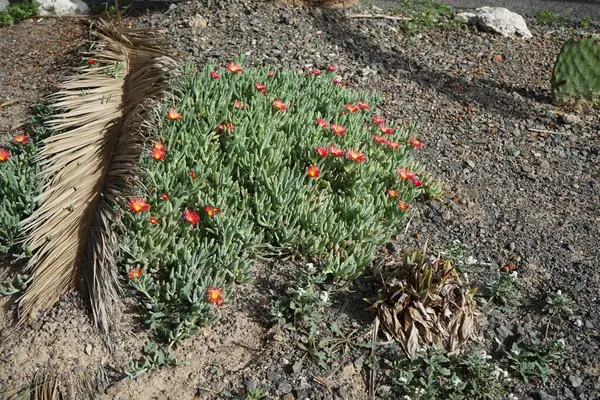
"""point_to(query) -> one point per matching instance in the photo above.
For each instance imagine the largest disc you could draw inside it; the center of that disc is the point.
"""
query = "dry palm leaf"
(88, 166)
(424, 302)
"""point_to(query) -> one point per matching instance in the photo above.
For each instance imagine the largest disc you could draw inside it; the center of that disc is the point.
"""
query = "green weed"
(18, 12)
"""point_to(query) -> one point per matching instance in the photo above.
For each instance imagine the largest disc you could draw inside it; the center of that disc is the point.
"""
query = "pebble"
(273, 376)
(575, 381)
(284, 387)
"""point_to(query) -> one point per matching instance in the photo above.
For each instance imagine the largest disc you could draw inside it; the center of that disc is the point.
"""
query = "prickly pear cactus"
(576, 75)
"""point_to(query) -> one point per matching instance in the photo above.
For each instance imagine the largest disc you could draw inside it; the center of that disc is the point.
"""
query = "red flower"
(138, 204)
(153, 220)
(417, 182)
(21, 138)
(135, 273)
(336, 151)
(91, 61)
(402, 205)
(173, 115)
(227, 127)
(270, 74)
(214, 296)
(356, 156)
(158, 155)
(378, 120)
(322, 123)
(214, 74)
(4, 155)
(234, 68)
(362, 105)
(337, 80)
(160, 146)
(338, 130)
(415, 143)
(392, 193)
(379, 139)
(351, 107)
(280, 105)
(191, 216)
(313, 171)
(192, 174)
(211, 211)
(164, 196)
(315, 72)
(322, 151)
(261, 88)
(386, 130)
(405, 174)
(394, 145)
(330, 68)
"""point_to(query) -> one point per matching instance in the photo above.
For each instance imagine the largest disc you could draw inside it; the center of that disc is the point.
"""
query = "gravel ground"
(522, 183)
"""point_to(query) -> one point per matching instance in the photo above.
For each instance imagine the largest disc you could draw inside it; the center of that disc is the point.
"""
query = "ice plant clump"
(415, 143)
(191, 216)
(138, 205)
(313, 171)
(214, 296)
(173, 115)
(4, 155)
(21, 138)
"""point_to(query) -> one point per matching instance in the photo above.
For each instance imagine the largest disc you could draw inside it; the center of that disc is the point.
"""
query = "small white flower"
(559, 292)
(561, 341)
(496, 373)
(310, 267)
(512, 397)
(471, 260)
(324, 296)
(403, 380)
(514, 274)
(505, 374)
(406, 397)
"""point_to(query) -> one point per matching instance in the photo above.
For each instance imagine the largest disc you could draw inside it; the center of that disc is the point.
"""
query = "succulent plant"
(576, 75)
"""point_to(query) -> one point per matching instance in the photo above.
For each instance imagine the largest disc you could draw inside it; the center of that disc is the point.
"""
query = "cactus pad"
(576, 75)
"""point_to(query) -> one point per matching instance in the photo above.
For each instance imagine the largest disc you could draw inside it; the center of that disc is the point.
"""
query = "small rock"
(390, 247)
(284, 387)
(115, 388)
(273, 376)
(88, 349)
(384, 390)
(343, 392)
(569, 119)
(197, 23)
(575, 381)
(303, 384)
(250, 385)
(78, 369)
(287, 396)
(541, 395)
(544, 164)
(62, 7)
(499, 20)
(470, 163)
(37, 325)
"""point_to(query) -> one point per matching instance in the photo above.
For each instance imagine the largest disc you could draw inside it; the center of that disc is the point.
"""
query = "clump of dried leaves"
(423, 301)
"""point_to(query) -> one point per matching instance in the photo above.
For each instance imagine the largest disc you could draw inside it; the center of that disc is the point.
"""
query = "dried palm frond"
(88, 166)
(424, 302)
(49, 385)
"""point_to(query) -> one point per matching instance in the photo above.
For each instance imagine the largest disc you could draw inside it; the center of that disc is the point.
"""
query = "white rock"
(3, 4)
(62, 7)
(499, 20)
(197, 23)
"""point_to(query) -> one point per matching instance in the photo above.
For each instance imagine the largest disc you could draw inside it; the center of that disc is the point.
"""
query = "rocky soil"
(522, 179)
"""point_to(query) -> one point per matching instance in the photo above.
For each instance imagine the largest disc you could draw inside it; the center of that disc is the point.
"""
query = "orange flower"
(21, 138)
(238, 104)
(392, 193)
(173, 115)
(402, 205)
(415, 143)
(191, 216)
(322, 123)
(227, 127)
(135, 273)
(356, 156)
(362, 105)
(160, 146)
(261, 88)
(386, 130)
(351, 107)
(322, 151)
(210, 211)
(234, 68)
(158, 154)
(4, 155)
(280, 105)
(315, 72)
(214, 75)
(313, 171)
(214, 296)
(216, 210)
(330, 68)
(138, 204)
(153, 220)
(379, 139)
(394, 145)
(164, 196)
(405, 174)
(378, 120)
(336, 151)
(338, 130)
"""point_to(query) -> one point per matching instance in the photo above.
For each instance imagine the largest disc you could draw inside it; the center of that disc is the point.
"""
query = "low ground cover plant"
(18, 12)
